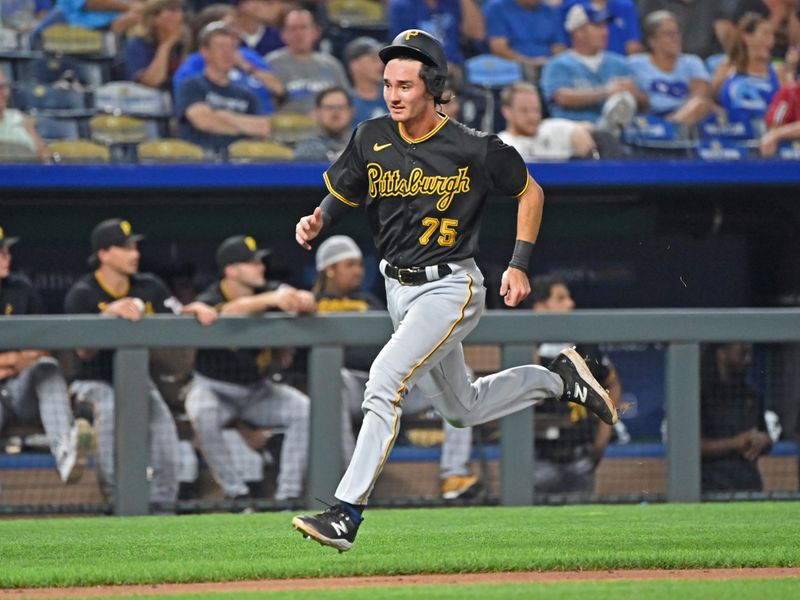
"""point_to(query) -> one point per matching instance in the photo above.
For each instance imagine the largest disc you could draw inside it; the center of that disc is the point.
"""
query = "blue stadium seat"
(49, 69)
(51, 128)
(488, 74)
(654, 136)
(50, 100)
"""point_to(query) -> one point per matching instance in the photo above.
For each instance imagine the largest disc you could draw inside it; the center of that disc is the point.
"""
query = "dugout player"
(234, 384)
(568, 454)
(423, 180)
(32, 387)
(116, 289)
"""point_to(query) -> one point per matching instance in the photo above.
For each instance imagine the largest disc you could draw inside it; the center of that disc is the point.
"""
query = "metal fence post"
(516, 441)
(683, 423)
(131, 432)
(325, 439)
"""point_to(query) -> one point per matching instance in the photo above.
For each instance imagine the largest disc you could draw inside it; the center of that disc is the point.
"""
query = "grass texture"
(774, 589)
(116, 550)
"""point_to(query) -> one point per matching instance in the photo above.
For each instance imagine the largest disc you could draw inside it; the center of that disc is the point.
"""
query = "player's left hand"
(514, 286)
(308, 228)
(204, 313)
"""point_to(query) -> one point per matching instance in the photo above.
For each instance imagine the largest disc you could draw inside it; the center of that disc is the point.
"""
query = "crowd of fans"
(597, 78)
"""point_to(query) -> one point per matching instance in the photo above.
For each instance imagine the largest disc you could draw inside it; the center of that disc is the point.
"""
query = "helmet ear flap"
(435, 82)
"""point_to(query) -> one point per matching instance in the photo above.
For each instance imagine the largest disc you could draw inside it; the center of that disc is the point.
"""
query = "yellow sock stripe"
(402, 388)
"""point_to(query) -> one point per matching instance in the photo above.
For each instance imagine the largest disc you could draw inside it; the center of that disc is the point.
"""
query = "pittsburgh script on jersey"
(391, 183)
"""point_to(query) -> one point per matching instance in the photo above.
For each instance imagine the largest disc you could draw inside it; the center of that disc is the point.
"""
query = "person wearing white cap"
(588, 82)
(340, 273)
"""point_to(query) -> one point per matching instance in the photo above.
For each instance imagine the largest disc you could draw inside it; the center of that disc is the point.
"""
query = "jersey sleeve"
(162, 299)
(346, 179)
(507, 171)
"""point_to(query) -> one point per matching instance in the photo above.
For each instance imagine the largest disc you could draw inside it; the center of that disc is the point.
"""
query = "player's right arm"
(346, 180)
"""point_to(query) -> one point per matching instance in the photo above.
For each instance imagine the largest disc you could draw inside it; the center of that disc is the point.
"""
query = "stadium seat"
(51, 128)
(49, 69)
(290, 128)
(9, 40)
(117, 129)
(258, 151)
(356, 12)
(11, 152)
(79, 151)
(37, 98)
(7, 69)
(68, 39)
(134, 99)
(488, 74)
(169, 150)
(653, 136)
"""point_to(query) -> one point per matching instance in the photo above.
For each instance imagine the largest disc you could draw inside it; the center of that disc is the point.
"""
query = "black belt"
(414, 275)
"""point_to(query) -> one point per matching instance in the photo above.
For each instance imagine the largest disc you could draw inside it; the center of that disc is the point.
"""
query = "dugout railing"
(682, 331)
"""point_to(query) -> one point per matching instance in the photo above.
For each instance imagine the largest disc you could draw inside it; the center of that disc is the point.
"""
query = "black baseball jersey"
(574, 425)
(424, 197)
(17, 296)
(90, 296)
(235, 365)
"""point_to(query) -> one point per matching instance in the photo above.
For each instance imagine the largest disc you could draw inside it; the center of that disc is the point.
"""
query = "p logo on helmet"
(422, 46)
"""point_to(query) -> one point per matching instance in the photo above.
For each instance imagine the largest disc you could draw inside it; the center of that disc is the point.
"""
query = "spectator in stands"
(160, 45)
(250, 70)
(234, 385)
(333, 114)
(258, 24)
(677, 85)
(538, 139)
(783, 119)
(453, 22)
(733, 430)
(783, 14)
(117, 289)
(32, 388)
(212, 111)
(527, 31)
(302, 70)
(589, 83)
(340, 273)
(117, 16)
(706, 26)
(624, 36)
(17, 132)
(746, 80)
(366, 74)
(568, 454)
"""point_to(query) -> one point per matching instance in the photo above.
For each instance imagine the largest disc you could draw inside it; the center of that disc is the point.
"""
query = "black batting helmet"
(422, 46)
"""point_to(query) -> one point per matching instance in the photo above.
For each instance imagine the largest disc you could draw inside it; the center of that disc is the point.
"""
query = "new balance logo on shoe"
(334, 527)
(581, 387)
(340, 527)
(580, 393)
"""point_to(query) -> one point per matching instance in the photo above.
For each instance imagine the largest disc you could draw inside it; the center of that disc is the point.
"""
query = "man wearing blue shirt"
(212, 111)
(624, 35)
(527, 31)
(589, 83)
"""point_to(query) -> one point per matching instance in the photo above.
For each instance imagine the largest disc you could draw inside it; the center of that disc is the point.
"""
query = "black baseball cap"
(6, 242)
(238, 249)
(113, 232)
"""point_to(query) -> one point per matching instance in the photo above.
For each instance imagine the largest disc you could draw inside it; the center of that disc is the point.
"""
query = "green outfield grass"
(109, 550)
(776, 589)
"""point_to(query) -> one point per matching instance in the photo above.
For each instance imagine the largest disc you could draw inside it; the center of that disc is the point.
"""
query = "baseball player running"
(423, 180)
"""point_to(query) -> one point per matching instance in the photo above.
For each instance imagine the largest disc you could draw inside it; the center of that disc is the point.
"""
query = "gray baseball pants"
(457, 444)
(430, 322)
(213, 404)
(39, 393)
(164, 450)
